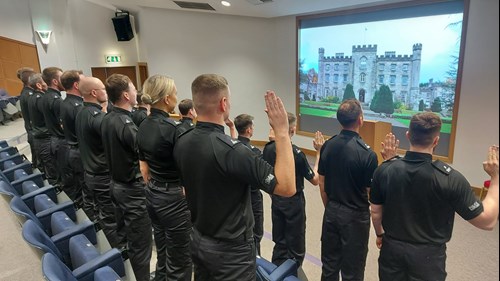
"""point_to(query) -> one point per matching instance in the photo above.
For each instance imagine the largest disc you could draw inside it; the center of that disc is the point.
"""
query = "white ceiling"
(277, 8)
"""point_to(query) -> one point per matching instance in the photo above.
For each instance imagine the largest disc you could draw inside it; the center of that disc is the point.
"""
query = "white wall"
(15, 20)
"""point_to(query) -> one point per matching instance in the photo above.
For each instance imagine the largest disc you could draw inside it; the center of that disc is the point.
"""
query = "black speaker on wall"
(123, 27)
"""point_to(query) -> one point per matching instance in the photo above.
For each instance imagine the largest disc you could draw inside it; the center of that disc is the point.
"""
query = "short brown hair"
(49, 74)
(243, 122)
(70, 77)
(116, 84)
(185, 105)
(20, 71)
(424, 127)
(34, 79)
(25, 76)
(349, 112)
(205, 87)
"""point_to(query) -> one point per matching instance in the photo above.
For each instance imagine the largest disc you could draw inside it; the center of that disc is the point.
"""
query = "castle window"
(393, 67)
(381, 67)
(404, 79)
(335, 78)
(393, 79)
(405, 67)
(362, 63)
(327, 67)
(327, 78)
(362, 78)
(346, 67)
(346, 77)
(336, 66)
(381, 79)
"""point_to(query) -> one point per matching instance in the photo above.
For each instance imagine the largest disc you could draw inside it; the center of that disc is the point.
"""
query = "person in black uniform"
(97, 179)
(24, 74)
(289, 214)
(140, 112)
(217, 171)
(245, 126)
(413, 203)
(41, 135)
(51, 112)
(188, 114)
(166, 202)
(127, 186)
(72, 173)
(346, 168)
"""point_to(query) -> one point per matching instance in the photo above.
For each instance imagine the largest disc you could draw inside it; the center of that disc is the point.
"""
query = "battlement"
(338, 59)
(394, 57)
(417, 47)
(364, 48)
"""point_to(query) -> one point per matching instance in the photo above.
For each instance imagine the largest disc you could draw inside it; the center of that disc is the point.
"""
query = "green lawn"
(317, 112)
(445, 128)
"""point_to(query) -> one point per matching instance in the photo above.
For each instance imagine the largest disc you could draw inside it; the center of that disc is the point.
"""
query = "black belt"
(163, 185)
(97, 174)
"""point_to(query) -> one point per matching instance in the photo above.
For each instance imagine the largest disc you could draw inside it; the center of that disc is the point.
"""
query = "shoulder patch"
(126, 120)
(297, 150)
(185, 132)
(363, 144)
(171, 122)
(442, 167)
(392, 159)
(227, 140)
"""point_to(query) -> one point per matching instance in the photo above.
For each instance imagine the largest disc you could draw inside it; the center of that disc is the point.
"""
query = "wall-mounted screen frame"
(397, 60)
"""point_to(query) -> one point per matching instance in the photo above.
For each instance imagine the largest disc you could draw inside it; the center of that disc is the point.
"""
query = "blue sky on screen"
(439, 41)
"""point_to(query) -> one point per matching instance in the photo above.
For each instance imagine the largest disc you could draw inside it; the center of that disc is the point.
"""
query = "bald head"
(93, 90)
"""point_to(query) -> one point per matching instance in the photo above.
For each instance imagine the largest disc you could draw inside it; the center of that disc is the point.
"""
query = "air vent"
(194, 5)
(258, 2)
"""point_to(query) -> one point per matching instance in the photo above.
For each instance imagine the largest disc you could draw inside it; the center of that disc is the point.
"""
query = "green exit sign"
(113, 58)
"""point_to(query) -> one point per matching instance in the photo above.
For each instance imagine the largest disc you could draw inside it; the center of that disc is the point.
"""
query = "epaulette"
(363, 144)
(95, 112)
(228, 140)
(392, 159)
(171, 122)
(126, 120)
(330, 138)
(185, 132)
(442, 167)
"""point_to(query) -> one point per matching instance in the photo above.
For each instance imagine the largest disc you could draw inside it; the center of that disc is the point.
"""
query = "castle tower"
(415, 77)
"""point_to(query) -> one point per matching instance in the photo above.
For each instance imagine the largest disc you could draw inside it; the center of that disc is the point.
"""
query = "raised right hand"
(276, 113)
(490, 166)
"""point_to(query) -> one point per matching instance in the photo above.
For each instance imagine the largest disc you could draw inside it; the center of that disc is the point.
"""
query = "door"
(104, 72)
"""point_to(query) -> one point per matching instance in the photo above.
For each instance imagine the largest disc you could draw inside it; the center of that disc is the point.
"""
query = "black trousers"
(402, 261)
(344, 242)
(216, 260)
(42, 150)
(59, 157)
(99, 187)
(171, 219)
(34, 159)
(72, 176)
(289, 228)
(258, 215)
(133, 221)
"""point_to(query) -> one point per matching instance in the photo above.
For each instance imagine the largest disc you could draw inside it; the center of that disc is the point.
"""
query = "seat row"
(65, 237)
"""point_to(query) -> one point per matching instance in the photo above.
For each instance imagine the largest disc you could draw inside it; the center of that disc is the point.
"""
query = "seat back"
(54, 269)
(7, 189)
(106, 273)
(8, 164)
(16, 158)
(8, 151)
(3, 144)
(36, 237)
(20, 208)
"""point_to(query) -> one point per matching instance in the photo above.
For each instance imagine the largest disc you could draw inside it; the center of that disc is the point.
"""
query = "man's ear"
(223, 104)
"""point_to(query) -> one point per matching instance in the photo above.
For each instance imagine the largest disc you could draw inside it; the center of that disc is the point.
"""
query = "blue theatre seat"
(267, 271)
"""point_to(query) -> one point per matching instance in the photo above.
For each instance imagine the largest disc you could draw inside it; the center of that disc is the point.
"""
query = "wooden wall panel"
(14, 55)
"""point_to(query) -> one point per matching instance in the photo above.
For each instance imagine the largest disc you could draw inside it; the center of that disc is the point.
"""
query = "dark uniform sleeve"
(242, 163)
(372, 164)
(376, 192)
(322, 161)
(462, 198)
(55, 106)
(303, 166)
(129, 135)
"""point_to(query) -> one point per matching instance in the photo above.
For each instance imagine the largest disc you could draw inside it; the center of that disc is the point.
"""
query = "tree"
(436, 105)
(374, 104)
(421, 105)
(349, 92)
(383, 102)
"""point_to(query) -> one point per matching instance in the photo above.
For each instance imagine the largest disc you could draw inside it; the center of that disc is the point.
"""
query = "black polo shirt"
(138, 115)
(156, 140)
(186, 125)
(347, 163)
(420, 198)
(69, 109)
(35, 108)
(51, 111)
(26, 92)
(88, 131)
(217, 172)
(302, 167)
(246, 141)
(119, 139)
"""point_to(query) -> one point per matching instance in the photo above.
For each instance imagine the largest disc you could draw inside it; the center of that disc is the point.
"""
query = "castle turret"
(415, 77)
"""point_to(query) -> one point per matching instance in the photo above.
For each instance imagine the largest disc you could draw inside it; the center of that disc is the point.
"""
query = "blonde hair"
(156, 87)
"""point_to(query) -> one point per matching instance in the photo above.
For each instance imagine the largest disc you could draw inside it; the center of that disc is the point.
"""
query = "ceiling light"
(225, 3)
